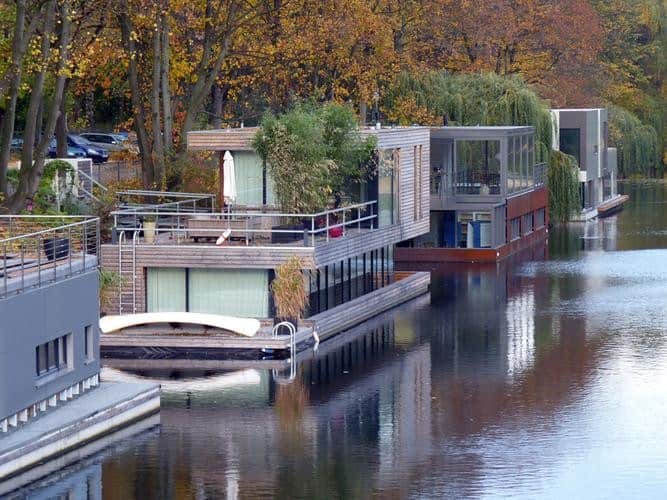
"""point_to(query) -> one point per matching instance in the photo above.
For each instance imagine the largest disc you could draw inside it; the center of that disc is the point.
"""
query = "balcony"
(37, 250)
(179, 223)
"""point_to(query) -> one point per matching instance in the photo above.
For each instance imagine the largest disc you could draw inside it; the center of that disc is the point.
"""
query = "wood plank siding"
(413, 143)
(410, 140)
(237, 139)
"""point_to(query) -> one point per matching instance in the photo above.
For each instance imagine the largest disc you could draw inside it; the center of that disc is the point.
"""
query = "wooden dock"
(169, 338)
(612, 206)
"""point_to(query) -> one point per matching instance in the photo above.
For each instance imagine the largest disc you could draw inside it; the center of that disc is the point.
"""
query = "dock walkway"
(92, 415)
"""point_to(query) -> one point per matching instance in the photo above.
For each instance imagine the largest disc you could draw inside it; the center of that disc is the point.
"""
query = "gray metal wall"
(38, 316)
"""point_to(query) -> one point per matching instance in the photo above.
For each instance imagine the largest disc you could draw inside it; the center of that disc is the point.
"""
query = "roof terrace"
(181, 221)
(37, 250)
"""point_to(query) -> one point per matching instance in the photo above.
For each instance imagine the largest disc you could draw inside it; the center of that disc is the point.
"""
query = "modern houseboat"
(51, 396)
(584, 134)
(488, 196)
(203, 260)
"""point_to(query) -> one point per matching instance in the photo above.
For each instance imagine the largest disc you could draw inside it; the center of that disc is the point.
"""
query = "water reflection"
(540, 377)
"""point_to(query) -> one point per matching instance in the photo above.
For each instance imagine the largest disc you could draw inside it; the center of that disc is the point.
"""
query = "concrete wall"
(593, 138)
(38, 316)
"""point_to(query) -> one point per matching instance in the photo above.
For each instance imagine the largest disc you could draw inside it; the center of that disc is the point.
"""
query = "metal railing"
(36, 250)
(133, 201)
(477, 182)
(248, 227)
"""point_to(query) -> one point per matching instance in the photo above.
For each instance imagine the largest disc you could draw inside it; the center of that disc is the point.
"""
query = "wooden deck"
(326, 324)
(199, 338)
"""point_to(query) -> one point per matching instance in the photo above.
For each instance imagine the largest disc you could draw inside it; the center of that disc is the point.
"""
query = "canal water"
(544, 377)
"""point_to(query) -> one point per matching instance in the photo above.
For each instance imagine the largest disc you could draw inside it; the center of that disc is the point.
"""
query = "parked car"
(72, 151)
(16, 144)
(97, 154)
(110, 142)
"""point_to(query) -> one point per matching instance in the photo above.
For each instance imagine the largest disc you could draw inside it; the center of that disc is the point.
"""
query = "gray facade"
(36, 317)
(584, 134)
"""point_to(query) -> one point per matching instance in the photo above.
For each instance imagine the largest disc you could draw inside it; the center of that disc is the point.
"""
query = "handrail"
(253, 213)
(292, 334)
(93, 181)
(35, 258)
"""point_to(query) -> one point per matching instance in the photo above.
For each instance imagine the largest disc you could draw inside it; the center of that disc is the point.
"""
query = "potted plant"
(56, 247)
(149, 225)
(290, 296)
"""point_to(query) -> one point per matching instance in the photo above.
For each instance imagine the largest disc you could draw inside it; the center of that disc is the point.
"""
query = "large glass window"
(478, 167)
(165, 290)
(388, 194)
(570, 142)
(231, 292)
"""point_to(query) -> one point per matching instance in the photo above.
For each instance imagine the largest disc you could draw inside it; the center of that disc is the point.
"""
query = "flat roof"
(578, 109)
(486, 131)
(240, 139)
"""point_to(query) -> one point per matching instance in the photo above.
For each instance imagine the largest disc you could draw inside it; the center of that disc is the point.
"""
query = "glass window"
(231, 292)
(515, 228)
(388, 174)
(477, 167)
(540, 218)
(531, 160)
(510, 165)
(528, 223)
(88, 340)
(570, 143)
(165, 290)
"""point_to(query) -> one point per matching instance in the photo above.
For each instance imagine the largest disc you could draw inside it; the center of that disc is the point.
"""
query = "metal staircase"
(127, 269)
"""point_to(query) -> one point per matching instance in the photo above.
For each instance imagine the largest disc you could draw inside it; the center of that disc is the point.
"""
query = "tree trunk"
(166, 92)
(13, 81)
(135, 92)
(158, 139)
(22, 36)
(31, 174)
(37, 91)
(216, 121)
(61, 128)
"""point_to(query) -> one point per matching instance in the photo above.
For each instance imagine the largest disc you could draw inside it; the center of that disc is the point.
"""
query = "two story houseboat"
(488, 196)
(346, 251)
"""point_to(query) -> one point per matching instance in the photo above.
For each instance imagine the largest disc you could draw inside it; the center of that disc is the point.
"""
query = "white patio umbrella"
(229, 177)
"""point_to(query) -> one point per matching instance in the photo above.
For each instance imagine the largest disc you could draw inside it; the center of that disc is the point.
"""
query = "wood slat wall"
(355, 244)
(195, 256)
(237, 139)
(406, 139)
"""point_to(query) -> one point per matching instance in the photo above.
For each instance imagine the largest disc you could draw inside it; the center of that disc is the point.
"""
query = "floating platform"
(164, 339)
(97, 413)
(612, 206)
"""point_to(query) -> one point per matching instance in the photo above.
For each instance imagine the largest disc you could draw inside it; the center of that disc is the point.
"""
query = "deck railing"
(132, 201)
(249, 227)
(36, 250)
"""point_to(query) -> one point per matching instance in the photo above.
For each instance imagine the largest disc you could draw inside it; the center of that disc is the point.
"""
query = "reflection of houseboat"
(584, 134)
(346, 252)
(488, 196)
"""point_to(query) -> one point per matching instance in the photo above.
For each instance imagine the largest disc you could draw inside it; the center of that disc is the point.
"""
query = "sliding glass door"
(243, 293)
